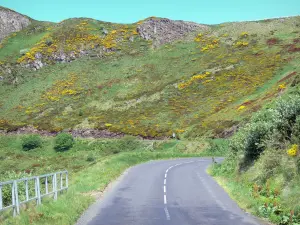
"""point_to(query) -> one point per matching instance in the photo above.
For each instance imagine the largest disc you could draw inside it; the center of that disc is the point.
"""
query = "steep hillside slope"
(11, 21)
(150, 78)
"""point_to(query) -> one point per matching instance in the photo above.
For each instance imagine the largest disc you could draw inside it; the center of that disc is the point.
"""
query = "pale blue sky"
(128, 11)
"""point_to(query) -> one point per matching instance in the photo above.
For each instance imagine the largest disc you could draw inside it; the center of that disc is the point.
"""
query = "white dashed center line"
(165, 187)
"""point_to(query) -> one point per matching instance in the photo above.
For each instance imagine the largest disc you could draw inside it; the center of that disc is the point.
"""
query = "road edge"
(89, 213)
(224, 187)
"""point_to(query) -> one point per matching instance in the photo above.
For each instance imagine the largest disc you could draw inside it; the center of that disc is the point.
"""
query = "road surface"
(167, 192)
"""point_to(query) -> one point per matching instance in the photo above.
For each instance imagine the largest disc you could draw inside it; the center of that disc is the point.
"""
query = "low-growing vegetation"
(120, 83)
(262, 169)
(31, 142)
(92, 165)
(63, 142)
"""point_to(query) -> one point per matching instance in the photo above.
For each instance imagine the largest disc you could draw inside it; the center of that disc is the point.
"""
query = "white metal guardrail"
(14, 193)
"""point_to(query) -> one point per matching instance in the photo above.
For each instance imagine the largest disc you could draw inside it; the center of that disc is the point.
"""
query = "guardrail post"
(61, 181)
(26, 190)
(1, 203)
(39, 201)
(13, 200)
(67, 181)
(17, 197)
(55, 187)
(36, 191)
(46, 185)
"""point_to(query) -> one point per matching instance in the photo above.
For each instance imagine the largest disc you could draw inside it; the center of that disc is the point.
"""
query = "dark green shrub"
(125, 144)
(296, 131)
(63, 142)
(49, 41)
(128, 143)
(31, 142)
(274, 126)
(90, 158)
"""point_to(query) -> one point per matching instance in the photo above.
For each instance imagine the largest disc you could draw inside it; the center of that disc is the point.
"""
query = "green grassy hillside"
(100, 75)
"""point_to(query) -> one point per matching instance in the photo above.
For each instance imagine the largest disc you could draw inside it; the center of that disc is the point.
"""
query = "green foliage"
(218, 146)
(267, 210)
(296, 131)
(90, 158)
(272, 126)
(63, 142)
(31, 142)
(258, 158)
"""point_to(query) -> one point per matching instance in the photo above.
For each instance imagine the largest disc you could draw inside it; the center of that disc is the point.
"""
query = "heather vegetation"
(117, 81)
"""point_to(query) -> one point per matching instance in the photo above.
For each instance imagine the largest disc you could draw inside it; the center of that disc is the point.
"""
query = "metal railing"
(21, 191)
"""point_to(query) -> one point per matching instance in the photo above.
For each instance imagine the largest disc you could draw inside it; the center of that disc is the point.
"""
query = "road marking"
(167, 213)
(165, 188)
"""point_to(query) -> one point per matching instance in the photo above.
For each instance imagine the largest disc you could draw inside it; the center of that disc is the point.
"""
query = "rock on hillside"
(11, 21)
(162, 30)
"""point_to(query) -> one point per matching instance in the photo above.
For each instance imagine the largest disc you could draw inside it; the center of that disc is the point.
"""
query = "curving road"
(167, 192)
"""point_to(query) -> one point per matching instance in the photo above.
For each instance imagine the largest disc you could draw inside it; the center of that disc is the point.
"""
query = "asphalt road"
(168, 192)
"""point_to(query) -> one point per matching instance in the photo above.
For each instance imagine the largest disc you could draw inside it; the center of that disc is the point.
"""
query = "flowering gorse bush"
(74, 38)
(62, 88)
(293, 150)
(241, 107)
(192, 80)
(241, 44)
(281, 86)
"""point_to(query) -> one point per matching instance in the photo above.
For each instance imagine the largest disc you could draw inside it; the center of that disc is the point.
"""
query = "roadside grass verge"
(262, 168)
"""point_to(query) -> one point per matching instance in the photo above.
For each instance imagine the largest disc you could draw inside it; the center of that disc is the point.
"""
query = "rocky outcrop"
(162, 31)
(63, 57)
(84, 133)
(11, 21)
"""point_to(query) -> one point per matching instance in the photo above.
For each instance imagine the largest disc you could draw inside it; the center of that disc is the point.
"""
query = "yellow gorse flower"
(179, 130)
(241, 44)
(281, 86)
(241, 107)
(193, 79)
(244, 34)
(293, 150)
